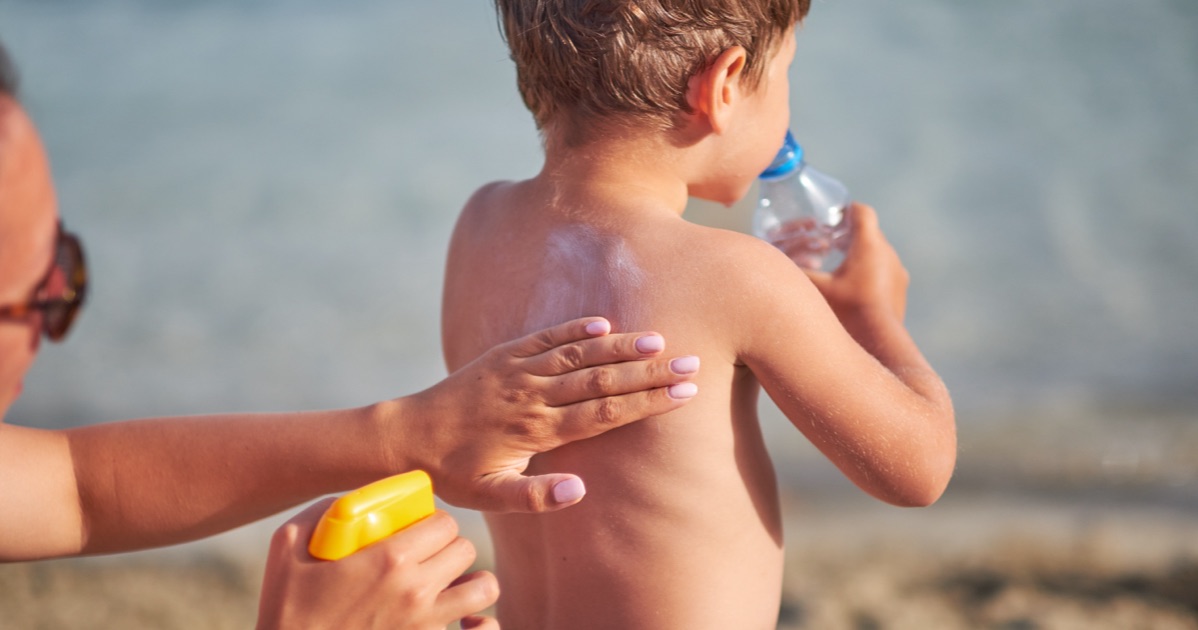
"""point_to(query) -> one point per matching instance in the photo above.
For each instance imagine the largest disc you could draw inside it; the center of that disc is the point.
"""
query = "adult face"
(28, 231)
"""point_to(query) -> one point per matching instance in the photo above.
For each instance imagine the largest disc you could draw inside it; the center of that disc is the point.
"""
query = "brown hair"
(582, 62)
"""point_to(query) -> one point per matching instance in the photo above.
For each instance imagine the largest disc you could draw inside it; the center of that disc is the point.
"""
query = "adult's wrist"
(388, 431)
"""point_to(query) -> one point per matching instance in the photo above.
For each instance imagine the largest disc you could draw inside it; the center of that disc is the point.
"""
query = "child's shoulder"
(485, 207)
(736, 256)
(755, 282)
(489, 195)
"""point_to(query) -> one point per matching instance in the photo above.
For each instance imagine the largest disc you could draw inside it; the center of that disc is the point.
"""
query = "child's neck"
(629, 170)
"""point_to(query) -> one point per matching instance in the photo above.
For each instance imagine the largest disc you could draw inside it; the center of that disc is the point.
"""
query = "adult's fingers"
(540, 341)
(578, 355)
(592, 417)
(469, 595)
(448, 563)
(511, 491)
(479, 623)
(420, 541)
(292, 537)
(305, 522)
(618, 379)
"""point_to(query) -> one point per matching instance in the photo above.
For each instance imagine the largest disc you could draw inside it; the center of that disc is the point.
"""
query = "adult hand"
(479, 427)
(871, 276)
(410, 581)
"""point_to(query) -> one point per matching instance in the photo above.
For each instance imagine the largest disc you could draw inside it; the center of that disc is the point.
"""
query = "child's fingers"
(864, 221)
(616, 380)
(863, 217)
(547, 339)
(821, 279)
(872, 274)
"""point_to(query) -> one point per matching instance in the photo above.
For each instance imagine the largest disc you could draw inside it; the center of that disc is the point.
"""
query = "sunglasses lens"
(58, 318)
(60, 314)
(76, 269)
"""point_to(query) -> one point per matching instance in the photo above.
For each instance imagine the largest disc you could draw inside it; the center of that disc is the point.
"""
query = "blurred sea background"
(266, 188)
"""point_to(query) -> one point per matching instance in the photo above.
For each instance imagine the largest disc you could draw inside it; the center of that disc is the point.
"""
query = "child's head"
(589, 64)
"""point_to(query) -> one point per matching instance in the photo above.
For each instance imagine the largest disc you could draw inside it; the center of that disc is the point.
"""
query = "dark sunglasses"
(60, 294)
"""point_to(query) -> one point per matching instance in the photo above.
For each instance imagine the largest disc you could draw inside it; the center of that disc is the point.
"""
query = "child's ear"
(714, 91)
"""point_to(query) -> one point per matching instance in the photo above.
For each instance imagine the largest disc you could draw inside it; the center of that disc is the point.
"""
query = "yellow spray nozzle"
(372, 513)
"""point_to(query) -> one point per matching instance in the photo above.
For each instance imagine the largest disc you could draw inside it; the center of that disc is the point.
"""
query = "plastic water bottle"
(801, 210)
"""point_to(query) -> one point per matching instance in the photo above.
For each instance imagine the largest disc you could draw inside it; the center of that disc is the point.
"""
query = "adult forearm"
(144, 483)
(153, 482)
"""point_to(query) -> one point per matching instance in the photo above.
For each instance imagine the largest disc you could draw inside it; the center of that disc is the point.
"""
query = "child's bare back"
(680, 526)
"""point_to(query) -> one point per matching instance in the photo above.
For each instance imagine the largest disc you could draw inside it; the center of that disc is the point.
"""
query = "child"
(641, 104)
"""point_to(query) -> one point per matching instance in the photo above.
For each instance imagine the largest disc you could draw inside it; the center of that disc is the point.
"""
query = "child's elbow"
(932, 462)
(919, 496)
(912, 472)
(925, 484)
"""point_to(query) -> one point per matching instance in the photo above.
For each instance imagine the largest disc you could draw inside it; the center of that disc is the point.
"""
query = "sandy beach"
(266, 195)
(1022, 540)
(973, 561)
(994, 562)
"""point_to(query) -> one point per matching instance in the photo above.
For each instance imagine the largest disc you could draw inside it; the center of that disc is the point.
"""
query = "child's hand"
(412, 579)
(475, 432)
(871, 276)
(803, 241)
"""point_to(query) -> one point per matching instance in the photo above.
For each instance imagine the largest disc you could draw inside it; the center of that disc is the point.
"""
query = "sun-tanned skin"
(120, 486)
(681, 527)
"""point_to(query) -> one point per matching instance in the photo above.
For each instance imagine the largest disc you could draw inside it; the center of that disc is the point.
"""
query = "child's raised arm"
(850, 377)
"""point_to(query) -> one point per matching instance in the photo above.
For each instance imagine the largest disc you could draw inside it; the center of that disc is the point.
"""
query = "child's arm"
(850, 377)
(868, 293)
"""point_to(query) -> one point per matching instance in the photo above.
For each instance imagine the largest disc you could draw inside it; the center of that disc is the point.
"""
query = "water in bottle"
(802, 211)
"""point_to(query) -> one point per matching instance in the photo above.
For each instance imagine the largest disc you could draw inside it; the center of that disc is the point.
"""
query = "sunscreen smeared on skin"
(583, 274)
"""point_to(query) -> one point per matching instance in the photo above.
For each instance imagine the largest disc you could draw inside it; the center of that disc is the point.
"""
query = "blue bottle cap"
(789, 157)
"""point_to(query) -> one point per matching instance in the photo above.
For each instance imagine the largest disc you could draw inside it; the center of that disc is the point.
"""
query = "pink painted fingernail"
(683, 390)
(651, 343)
(569, 491)
(601, 327)
(685, 365)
